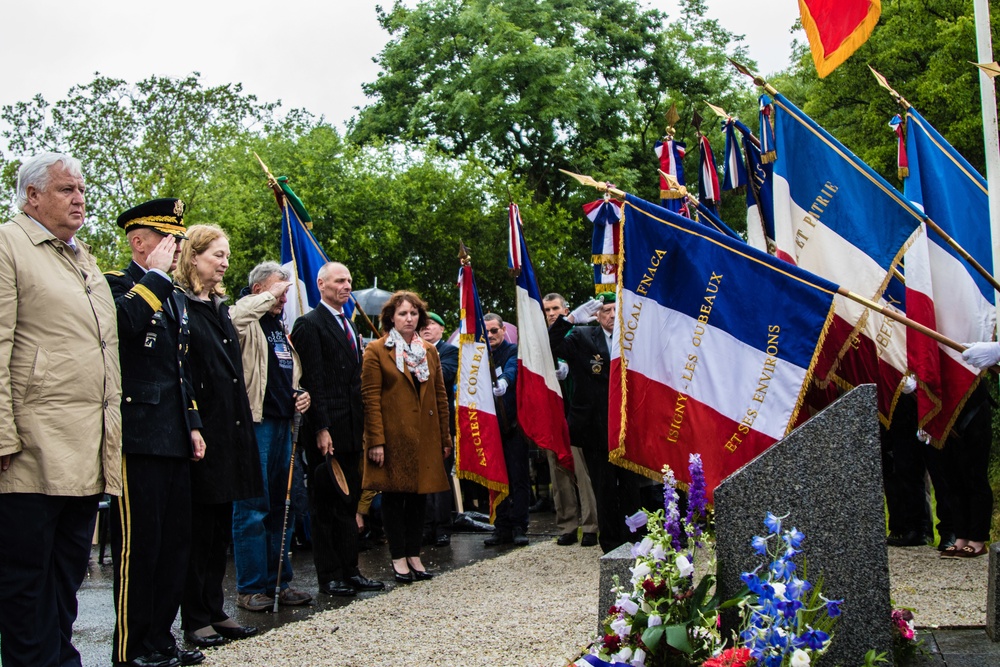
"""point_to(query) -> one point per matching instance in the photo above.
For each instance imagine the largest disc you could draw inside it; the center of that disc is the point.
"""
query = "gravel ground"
(942, 592)
(537, 606)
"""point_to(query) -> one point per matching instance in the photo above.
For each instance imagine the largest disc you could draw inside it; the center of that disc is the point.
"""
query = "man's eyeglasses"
(493, 331)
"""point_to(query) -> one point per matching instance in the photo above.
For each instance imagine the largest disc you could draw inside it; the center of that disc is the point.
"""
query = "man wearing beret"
(587, 351)
(438, 516)
(151, 522)
(60, 426)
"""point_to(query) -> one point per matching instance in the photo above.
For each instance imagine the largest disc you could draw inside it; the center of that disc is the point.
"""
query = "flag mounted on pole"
(539, 398)
(478, 447)
(837, 28)
(709, 194)
(606, 214)
(699, 363)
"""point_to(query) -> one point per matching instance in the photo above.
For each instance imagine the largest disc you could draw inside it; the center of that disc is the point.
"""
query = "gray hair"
(553, 296)
(493, 317)
(35, 172)
(265, 270)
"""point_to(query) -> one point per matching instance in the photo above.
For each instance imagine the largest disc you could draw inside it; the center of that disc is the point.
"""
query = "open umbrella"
(371, 300)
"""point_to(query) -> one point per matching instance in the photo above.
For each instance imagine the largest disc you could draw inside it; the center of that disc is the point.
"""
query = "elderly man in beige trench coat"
(60, 426)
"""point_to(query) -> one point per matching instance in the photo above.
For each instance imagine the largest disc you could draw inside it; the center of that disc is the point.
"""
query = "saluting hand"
(197, 445)
(279, 288)
(162, 256)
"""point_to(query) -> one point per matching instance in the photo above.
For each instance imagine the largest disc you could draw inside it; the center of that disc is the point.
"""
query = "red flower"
(611, 642)
(654, 591)
(731, 657)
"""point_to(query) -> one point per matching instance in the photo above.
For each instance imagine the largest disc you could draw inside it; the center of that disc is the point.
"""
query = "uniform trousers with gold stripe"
(151, 540)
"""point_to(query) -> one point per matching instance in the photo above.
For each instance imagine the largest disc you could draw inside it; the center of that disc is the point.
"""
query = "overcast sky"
(313, 54)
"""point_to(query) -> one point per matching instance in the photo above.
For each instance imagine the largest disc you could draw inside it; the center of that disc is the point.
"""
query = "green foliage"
(160, 137)
(531, 86)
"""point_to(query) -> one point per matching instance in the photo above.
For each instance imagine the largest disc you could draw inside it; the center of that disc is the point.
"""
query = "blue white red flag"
(606, 214)
(708, 177)
(671, 156)
(478, 447)
(301, 256)
(699, 363)
(539, 399)
(954, 195)
(834, 216)
(734, 169)
(760, 203)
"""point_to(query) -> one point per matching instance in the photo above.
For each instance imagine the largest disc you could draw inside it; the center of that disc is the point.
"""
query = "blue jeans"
(257, 521)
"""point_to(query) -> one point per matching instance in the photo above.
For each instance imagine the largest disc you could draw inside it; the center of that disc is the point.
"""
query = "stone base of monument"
(993, 594)
(616, 562)
(827, 476)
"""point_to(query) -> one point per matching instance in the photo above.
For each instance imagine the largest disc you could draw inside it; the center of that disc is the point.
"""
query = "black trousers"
(43, 560)
(512, 512)
(967, 453)
(618, 493)
(150, 547)
(903, 469)
(403, 520)
(212, 533)
(437, 518)
(332, 519)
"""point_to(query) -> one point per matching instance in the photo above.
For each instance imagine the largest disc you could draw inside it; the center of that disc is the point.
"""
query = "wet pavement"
(92, 633)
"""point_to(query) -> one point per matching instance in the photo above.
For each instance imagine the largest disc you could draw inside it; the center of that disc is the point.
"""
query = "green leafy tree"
(160, 137)
(531, 86)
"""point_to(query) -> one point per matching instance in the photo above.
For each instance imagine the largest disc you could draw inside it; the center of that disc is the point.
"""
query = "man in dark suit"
(587, 351)
(437, 525)
(330, 350)
(151, 521)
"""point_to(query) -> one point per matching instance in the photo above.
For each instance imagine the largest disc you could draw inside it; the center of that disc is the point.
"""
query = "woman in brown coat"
(406, 428)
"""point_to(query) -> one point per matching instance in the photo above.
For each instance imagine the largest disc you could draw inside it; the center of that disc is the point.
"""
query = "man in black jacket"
(151, 521)
(587, 351)
(330, 350)
(437, 524)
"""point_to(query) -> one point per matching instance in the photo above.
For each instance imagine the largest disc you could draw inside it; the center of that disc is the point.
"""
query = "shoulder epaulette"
(114, 273)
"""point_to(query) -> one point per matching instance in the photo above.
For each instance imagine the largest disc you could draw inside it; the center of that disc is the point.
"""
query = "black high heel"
(418, 575)
(401, 578)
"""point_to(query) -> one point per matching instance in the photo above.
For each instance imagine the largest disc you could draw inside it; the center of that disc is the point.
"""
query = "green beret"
(435, 317)
(606, 297)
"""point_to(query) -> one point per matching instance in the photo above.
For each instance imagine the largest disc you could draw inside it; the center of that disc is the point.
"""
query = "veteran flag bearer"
(151, 522)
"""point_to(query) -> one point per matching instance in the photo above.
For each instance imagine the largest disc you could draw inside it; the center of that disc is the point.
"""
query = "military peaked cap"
(165, 216)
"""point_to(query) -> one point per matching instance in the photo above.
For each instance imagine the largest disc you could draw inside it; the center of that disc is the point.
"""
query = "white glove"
(982, 355)
(500, 388)
(924, 437)
(562, 370)
(586, 312)
(909, 384)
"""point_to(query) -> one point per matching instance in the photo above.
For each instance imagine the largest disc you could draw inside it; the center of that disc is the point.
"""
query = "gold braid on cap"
(167, 223)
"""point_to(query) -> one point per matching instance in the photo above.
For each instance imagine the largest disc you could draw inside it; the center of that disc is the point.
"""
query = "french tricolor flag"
(478, 447)
(943, 185)
(834, 216)
(700, 363)
(539, 398)
(708, 181)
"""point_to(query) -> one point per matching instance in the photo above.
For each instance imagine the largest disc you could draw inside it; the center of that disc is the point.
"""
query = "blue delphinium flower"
(793, 538)
(773, 523)
(671, 518)
(759, 545)
(789, 607)
(752, 581)
(697, 500)
(783, 568)
(813, 639)
(796, 587)
(833, 607)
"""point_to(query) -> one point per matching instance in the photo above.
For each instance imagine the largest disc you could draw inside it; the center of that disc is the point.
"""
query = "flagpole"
(279, 196)
(994, 209)
(843, 291)
(988, 99)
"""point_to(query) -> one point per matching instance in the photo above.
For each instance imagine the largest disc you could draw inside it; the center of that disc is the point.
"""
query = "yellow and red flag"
(836, 28)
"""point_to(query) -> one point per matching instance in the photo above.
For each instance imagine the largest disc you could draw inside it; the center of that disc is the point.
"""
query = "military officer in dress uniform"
(151, 521)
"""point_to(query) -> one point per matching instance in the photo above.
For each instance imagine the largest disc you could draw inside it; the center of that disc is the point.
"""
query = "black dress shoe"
(443, 540)
(422, 575)
(339, 588)
(588, 540)
(363, 583)
(519, 538)
(405, 578)
(154, 659)
(910, 538)
(566, 539)
(239, 632)
(499, 537)
(204, 642)
(185, 657)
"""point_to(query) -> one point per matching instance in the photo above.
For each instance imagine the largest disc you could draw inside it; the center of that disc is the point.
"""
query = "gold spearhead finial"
(719, 111)
(583, 179)
(271, 180)
(672, 117)
(757, 79)
(463, 254)
(675, 185)
(992, 69)
(882, 81)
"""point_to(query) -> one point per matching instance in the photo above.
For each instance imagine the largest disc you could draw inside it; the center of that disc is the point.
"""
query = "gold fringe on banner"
(671, 194)
(903, 172)
(768, 157)
(604, 259)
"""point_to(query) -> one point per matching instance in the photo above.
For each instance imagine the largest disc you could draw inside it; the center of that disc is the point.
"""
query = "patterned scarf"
(413, 355)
